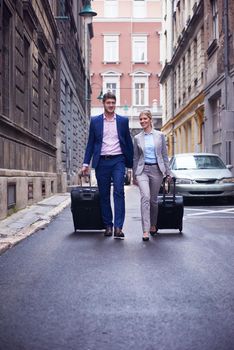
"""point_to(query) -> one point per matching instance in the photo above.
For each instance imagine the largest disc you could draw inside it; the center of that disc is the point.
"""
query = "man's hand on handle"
(85, 170)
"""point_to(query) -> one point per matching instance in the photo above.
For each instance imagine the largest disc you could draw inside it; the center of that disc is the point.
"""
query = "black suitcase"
(85, 207)
(170, 209)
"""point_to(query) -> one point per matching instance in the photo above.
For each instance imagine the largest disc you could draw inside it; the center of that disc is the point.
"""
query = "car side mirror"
(229, 166)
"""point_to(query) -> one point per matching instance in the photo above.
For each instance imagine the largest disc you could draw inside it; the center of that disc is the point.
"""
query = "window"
(195, 59)
(216, 111)
(139, 8)
(165, 100)
(40, 97)
(214, 9)
(112, 87)
(111, 82)
(43, 189)
(11, 195)
(111, 48)
(62, 8)
(139, 94)
(6, 59)
(184, 77)
(30, 190)
(140, 88)
(189, 70)
(111, 8)
(166, 44)
(26, 82)
(139, 49)
(179, 85)
(175, 89)
(52, 186)
(53, 6)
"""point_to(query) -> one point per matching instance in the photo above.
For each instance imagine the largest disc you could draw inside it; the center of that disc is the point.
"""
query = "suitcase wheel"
(180, 228)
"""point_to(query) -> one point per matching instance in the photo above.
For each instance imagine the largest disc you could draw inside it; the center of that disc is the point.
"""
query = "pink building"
(126, 56)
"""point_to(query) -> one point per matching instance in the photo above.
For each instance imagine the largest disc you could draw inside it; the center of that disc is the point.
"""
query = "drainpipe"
(226, 63)
(172, 78)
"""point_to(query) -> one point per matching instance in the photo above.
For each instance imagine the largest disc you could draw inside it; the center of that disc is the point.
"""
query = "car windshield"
(197, 162)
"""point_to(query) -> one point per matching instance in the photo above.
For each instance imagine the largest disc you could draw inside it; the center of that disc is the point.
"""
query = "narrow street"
(65, 290)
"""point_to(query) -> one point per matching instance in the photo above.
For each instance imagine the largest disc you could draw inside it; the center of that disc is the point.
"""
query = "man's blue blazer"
(94, 144)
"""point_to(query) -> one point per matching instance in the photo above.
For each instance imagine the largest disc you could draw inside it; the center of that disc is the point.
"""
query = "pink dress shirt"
(110, 142)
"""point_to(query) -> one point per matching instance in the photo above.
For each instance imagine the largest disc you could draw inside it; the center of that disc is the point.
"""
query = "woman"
(150, 165)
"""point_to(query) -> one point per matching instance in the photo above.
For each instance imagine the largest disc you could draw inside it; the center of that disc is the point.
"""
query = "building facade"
(219, 87)
(43, 103)
(73, 77)
(183, 75)
(126, 57)
(28, 100)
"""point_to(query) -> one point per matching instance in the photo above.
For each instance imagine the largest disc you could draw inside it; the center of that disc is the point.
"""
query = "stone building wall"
(219, 84)
(28, 101)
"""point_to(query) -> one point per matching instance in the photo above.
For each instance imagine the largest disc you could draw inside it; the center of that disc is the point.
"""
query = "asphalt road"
(66, 291)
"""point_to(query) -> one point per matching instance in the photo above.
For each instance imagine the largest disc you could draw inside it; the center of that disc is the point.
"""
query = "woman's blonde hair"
(147, 113)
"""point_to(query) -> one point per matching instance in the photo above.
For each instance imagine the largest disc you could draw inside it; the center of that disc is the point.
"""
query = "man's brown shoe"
(118, 233)
(109, 231)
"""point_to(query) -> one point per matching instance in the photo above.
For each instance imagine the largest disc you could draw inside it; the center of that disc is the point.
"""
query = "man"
(111, 147)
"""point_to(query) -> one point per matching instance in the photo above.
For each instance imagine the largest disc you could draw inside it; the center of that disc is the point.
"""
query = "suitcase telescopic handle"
(169, 187)
(85, 176)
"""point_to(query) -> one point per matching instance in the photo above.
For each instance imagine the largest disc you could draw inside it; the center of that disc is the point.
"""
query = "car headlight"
(183, 181)
(227, 180)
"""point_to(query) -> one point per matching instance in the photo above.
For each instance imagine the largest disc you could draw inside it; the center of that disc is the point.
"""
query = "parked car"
(202, 175)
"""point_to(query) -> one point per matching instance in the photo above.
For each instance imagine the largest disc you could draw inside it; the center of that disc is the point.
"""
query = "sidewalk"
(25, 222)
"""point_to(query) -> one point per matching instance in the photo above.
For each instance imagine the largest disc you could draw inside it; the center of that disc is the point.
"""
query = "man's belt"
(110, 156)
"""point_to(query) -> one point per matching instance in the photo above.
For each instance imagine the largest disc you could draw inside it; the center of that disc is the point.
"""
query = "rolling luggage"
(85, 207)
(170, 209)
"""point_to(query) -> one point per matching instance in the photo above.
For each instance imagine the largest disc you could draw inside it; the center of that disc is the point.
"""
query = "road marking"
(215, 217)
(213, 212)
(197, 209)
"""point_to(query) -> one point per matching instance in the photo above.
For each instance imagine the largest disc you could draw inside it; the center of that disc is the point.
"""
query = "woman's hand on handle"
(168, 178)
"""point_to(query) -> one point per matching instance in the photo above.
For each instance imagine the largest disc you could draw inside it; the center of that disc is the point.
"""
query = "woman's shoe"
(145, 237)
(153, 232)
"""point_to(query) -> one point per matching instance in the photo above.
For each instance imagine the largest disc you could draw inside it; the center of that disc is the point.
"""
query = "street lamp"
(100, 96)
(87, 10)
(87, 13)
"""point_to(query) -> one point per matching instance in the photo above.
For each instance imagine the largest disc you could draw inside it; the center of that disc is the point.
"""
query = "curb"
(33, 227)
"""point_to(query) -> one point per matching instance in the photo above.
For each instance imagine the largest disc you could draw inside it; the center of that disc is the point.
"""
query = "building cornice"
(18, 134)
(184, 37)
(188, 32)
(51, 18)
(190, 107)
(215, 82)
(195, 102)
(165, 72)
(127, 20)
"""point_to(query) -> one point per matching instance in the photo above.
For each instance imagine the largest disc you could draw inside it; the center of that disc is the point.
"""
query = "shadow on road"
(173, 235)
(84, 234)
(208, 201)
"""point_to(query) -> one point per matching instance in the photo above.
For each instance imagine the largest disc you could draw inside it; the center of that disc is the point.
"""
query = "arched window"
(111, 82)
